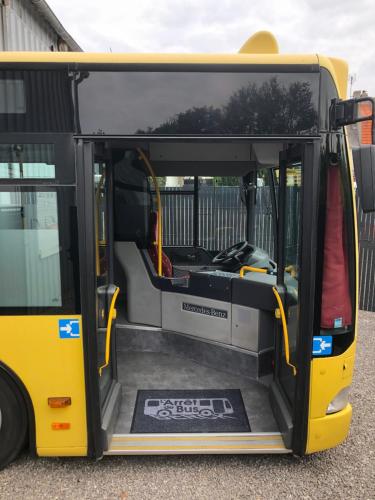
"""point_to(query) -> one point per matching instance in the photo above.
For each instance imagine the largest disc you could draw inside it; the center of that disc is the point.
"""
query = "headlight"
(339, 402)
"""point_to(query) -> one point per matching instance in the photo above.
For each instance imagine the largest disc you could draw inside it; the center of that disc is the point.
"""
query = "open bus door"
(98, 293)
(297, 211)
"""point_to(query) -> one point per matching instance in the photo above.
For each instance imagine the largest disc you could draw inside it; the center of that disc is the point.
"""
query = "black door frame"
(309, 249)
(86, 225)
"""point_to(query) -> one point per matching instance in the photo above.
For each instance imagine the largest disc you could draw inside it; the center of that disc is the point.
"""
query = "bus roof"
(260, 49)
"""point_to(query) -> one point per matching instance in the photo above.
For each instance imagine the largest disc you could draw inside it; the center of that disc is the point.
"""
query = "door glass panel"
(102, 271)
(101, 222)
(292, 230)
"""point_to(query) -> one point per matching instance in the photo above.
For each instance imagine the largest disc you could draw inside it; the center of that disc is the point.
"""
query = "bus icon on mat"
(69, 328)
(168, 409)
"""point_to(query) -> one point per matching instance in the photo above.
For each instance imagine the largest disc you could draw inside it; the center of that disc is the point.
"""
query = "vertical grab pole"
(158, 200)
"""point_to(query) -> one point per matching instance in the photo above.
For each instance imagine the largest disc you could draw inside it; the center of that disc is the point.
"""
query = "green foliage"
(226, 181)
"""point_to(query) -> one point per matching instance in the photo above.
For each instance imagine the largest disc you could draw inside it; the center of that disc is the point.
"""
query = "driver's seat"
(167, 267)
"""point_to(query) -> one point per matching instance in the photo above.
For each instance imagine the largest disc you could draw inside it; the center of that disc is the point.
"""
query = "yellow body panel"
(338, 68)
(48, 367)
(123, 58)
(329, 431)
(328, 377)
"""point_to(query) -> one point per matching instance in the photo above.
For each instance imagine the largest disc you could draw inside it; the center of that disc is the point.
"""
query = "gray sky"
(339, 28)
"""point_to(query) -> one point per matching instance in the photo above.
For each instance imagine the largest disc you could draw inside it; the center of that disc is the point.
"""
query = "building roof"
(46, 12)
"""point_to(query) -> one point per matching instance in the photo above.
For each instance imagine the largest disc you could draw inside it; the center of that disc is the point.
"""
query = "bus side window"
(30, 249)
(39, 250)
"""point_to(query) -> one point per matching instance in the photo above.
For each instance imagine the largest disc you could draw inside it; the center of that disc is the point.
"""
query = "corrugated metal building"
(31, 25)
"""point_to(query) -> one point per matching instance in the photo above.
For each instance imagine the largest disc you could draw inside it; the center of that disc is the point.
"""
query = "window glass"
(177, 198)
(102, 256)
(29, 249)
(292, 230)
(27, 161)
(12, 96)
(292, 217)
(222, 213)
(261, 214)
(190, 102)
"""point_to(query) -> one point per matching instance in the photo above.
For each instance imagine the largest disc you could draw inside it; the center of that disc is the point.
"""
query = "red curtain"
(336, 303)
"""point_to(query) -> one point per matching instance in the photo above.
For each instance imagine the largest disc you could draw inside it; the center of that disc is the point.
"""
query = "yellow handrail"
(251, 268)
(285, 330)
(158, 201)
(111, 317)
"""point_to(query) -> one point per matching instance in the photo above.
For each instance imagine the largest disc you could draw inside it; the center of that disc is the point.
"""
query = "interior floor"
(155, 370)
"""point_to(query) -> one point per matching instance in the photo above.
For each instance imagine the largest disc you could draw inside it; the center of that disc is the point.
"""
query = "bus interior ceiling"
(200, 326)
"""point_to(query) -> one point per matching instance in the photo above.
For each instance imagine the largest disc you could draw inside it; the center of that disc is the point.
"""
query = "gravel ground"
(345, 472)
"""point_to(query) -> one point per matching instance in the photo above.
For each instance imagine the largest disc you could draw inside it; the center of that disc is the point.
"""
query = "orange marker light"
(60, 426)
(61, 402)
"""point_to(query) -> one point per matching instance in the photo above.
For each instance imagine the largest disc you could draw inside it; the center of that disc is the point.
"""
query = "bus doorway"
(195, 322)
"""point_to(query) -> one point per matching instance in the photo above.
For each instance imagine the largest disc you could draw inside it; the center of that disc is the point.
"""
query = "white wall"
(22, 28)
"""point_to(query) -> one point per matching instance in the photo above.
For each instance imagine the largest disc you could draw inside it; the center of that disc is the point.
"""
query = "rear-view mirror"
(351, 111)
(364, 169)
(356, 110)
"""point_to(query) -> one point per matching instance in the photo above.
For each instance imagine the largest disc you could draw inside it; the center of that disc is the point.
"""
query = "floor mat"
(175, 411)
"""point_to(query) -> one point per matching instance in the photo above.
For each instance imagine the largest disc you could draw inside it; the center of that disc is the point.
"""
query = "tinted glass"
(36, 101)
(328, 92)
(180, 103)
(12, 96)
(27, 161)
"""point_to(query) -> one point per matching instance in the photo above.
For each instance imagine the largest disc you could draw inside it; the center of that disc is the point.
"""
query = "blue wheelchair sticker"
(322, 346)
(69, 328)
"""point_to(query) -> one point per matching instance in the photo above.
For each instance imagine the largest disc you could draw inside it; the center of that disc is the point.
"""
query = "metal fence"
(366, 237)
(222, 222)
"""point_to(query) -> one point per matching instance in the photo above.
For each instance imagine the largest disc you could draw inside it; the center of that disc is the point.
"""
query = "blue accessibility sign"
(322, 346)
(69, 328)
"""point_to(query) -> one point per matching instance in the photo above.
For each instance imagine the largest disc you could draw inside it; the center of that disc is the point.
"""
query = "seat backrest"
(142, 298)
(132, 199)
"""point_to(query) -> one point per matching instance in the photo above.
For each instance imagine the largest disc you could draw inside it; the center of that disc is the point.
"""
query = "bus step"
(170, 444)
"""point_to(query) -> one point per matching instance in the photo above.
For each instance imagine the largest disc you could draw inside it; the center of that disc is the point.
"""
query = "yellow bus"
(143, 310)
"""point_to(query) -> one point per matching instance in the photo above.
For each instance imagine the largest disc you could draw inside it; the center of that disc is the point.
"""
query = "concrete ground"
(345, 472)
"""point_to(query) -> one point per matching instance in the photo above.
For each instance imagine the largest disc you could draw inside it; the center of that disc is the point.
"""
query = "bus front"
(209, 200)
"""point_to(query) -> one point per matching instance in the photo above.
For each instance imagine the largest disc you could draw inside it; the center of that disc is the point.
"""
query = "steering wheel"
(232, 254)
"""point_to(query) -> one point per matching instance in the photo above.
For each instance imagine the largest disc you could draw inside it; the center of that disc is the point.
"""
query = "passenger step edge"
(144, 444)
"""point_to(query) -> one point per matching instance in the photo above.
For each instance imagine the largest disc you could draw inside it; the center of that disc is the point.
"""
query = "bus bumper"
(328, 431)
